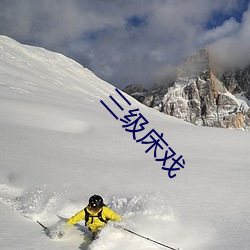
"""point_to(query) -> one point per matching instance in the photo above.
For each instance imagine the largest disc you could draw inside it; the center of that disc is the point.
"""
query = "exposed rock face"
(199, 97)
(136, 90)
(237, 81)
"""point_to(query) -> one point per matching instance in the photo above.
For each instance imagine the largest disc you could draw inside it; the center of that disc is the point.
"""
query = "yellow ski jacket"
(94, 223)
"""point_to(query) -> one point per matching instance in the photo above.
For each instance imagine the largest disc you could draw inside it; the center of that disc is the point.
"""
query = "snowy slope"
(59, 145)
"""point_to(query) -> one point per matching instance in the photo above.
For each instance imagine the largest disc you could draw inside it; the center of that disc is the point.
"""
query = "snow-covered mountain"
(59, 145)
(201, 95)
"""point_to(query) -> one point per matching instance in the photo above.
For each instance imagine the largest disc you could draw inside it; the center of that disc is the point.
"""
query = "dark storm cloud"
(129, 41)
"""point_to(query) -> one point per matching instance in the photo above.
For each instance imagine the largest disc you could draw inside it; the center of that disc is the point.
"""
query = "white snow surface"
(59, 145)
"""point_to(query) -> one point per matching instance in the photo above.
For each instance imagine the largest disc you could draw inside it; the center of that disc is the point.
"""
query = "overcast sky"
(131, 41)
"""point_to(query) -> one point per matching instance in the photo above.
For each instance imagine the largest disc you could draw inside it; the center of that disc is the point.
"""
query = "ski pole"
(149, 239)
(45, 228)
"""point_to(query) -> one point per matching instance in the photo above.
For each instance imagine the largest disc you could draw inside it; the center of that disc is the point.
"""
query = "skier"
(95, 214)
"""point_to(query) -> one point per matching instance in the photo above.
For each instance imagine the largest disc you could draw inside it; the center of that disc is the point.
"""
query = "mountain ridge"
(201, 95)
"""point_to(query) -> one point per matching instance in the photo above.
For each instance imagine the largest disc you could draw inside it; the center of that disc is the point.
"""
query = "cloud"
(228, 28)
(233, 49)
(125, 42)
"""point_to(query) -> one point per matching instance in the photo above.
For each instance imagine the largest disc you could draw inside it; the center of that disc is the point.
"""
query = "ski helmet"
(96, 202)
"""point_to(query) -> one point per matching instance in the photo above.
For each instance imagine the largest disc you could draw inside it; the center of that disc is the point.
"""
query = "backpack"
(88, 216)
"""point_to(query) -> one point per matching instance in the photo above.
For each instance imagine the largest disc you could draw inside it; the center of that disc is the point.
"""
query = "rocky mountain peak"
(196, 64)
(200, 96)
